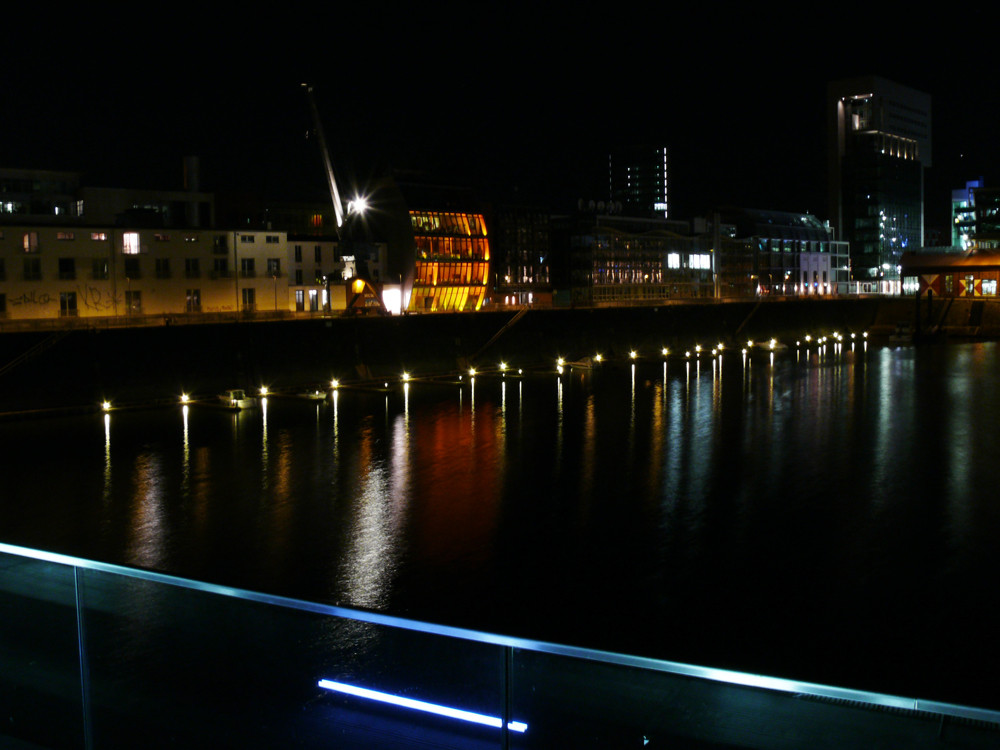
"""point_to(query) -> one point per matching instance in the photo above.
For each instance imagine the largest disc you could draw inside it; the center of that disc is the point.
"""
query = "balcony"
(106, 656)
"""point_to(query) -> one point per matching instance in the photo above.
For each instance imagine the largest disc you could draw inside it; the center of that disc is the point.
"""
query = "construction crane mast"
(338, 206)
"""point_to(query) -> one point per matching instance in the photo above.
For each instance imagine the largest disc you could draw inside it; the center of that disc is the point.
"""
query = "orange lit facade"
(452, 261)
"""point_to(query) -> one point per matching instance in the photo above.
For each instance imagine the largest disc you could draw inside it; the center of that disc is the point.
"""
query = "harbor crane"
(361, 288)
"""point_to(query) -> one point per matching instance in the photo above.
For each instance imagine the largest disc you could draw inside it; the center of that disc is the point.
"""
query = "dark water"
(830, 516)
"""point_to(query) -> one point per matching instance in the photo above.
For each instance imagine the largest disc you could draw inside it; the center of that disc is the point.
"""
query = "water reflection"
(848, 491)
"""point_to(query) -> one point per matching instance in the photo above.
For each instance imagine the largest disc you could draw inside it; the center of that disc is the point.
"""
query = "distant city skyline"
(528, 113)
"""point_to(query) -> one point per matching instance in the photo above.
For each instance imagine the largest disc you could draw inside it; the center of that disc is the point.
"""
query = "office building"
(963, 214)
(638, 181)
(879, 145)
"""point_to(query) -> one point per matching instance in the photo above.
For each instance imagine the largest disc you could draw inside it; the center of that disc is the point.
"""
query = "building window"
(132, 268)
(949, 283)
(99, 269)
(67, 269)
(300, 300)
(79, 208)
(31, 242)
(67, 304)
(318, 252)
(130, 243)
(247, 268)
(190, 238)
(990, 287)
(220, 268)
(32, 269)
(65, 236)
(98, 236)
(3, 305)
(673, 260)
(220, 244)
(133, 302)
(193, 300)
(313, 300)
(274, 267)
(272, 239)
(160, 237)
(247, 239)
(249, 300)
(163, 268)
(298, 253)
(192, 269)
(298, 277)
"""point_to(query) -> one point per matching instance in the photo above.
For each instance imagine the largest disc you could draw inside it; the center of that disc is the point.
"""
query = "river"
(828, 514)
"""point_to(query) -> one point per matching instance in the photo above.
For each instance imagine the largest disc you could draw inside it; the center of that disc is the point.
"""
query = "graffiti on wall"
(33, 297)
(93, 298)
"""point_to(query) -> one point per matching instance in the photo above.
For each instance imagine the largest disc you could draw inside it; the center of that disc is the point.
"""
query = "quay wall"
(42, 370)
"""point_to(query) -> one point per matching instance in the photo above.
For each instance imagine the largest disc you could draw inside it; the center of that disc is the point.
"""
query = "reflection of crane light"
(433, 708)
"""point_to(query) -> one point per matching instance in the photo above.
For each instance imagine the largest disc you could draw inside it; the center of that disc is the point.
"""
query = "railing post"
(508, 697)
(88, 733)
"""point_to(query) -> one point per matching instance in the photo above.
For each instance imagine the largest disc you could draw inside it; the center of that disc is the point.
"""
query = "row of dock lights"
(771, 345)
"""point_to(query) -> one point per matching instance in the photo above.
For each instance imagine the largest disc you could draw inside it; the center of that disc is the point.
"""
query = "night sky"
(497, 96)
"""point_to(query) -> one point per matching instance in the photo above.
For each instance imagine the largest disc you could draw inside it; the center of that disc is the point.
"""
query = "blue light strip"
(431, 708)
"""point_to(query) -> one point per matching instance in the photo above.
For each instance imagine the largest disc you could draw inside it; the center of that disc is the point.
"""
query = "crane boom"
(338, 207)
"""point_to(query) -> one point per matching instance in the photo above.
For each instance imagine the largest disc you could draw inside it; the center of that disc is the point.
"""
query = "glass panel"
(39, 661)
(200, 669)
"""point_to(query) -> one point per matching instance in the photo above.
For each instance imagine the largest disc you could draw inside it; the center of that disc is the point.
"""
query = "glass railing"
(94, 655)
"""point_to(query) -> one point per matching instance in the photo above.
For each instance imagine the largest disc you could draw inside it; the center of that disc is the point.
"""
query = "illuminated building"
(616, 260)
(452, 261)
(521, 260)
(638, 181)
(780, 253)
(879, 144)
(963, 214)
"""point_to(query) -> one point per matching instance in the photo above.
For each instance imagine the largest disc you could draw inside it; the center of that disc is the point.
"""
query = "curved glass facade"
(452, 261)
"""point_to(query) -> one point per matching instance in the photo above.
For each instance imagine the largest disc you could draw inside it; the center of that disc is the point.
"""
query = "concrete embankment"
(80, 368)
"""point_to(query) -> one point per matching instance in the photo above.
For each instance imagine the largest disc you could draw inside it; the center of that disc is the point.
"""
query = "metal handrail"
(712, 674)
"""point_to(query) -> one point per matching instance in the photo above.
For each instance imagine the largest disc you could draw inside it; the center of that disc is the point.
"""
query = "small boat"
(236, 398)
(314, 395)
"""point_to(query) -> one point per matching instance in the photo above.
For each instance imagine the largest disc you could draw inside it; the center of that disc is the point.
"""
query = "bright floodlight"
(633, 354)
(185, 398)
(106, 405)
(357, 206)
(263, 390)
(406, 377)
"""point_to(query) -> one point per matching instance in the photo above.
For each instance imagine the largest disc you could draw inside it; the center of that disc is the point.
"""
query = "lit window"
(673, 260)
(130, 243)
(990, 286)
(159, 237)
(31, 242)
(100, 236)
(65, 236)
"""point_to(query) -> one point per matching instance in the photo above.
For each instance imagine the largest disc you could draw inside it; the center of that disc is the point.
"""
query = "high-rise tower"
(638, 180)
(879, 144)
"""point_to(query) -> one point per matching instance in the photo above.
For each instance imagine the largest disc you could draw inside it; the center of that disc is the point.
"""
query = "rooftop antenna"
(338, 208)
